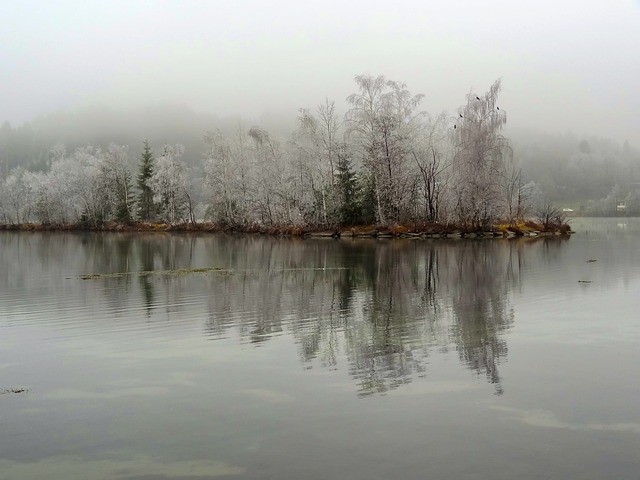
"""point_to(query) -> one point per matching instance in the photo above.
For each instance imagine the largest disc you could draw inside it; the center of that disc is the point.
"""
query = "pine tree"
(145, 198)
(367, 198)
(349, 209)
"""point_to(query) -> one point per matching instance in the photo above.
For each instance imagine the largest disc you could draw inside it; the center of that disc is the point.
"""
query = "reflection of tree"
(381, 308)
(479, 298)
(107, 253)
(146, 255)
(386, 343)
(119, 255)
(552, 247)
(385, 305)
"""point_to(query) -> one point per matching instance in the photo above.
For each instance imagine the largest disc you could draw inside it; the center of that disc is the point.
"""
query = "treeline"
(384, 162)
(591, 175)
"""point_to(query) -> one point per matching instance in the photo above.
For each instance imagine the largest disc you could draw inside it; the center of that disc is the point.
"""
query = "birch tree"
(481, 153)
(54, 196)
(4, 204)
(382, 121)
(41, 197)
(432, 158)
(516, 194)
(80, 175)
(15, 197)
(223, 178)
(115, 178)
(318, 139)
(169, 184)
(268, 177)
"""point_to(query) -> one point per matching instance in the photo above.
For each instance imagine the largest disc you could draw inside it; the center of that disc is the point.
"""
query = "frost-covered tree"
(481, 153)
(250, 178)
(318, 143)
(516, 194)
(54, 195)
(433, 160)
(225, 172)
(170, 185)
(4, 205)
(382, 121)
(89, 187)
(79, 178)
(41, 197)
(115, 178)
(15, 197)
(268, 178)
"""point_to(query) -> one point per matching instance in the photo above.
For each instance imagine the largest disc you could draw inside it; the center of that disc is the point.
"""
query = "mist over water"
(206, 355)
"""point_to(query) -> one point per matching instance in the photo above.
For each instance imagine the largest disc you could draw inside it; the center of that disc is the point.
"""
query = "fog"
(565, 66)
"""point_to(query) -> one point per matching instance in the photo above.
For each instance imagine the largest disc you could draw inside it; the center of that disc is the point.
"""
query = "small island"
(384, 169)
(529, 228)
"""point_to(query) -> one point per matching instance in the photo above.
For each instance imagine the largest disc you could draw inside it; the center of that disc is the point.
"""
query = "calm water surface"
(322, 359)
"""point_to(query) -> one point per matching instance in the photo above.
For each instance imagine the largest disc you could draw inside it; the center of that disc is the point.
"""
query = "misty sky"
(565, 65)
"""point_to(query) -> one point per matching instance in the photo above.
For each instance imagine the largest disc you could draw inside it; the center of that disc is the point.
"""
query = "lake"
(194, 356)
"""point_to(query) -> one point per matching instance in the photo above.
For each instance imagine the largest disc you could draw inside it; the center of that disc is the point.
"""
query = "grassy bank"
(528, 228)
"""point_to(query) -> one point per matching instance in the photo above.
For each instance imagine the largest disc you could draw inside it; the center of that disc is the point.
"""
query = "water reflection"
(380, 308)
(251, 370)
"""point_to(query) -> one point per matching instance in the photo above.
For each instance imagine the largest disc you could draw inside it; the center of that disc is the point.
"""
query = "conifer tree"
(350, 211)
(145, 198)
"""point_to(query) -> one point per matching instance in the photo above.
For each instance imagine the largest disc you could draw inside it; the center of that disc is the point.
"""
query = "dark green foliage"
(146, 209)
(367, 198)
(349, 209)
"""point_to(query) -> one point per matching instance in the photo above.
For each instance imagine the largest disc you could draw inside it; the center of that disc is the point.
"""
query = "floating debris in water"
(187, 271)
(12, 390)
(181, 271)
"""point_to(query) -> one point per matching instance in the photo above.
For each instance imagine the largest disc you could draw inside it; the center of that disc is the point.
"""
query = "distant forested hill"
(27, 145)
(587, 173)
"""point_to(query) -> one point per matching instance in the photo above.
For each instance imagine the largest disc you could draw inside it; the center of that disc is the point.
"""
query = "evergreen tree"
(367, 198)
(145, 198)
(349, 210)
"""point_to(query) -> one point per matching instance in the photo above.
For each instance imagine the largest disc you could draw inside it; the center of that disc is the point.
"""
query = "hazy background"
(569, 65)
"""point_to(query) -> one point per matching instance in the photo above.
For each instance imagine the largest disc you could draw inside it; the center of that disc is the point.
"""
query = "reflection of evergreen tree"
(109, 253)
(378, 309)
(146, 255)
(397, 299)
(384, 305)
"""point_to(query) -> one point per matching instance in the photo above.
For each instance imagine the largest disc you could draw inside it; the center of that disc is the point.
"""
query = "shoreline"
(527, 229)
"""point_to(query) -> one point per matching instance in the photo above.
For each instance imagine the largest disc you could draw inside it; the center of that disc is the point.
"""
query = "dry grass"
(397, 229)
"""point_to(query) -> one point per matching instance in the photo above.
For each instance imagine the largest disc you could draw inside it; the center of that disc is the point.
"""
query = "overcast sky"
(565, 65)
